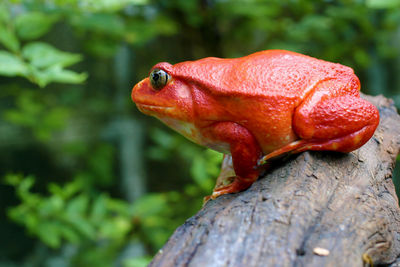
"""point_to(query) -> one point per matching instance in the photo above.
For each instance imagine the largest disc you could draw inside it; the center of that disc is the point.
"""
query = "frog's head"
(167, 98)
(181, 95)
(162, 96)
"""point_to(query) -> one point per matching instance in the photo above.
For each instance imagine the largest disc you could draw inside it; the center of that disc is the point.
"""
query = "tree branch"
(311, 205)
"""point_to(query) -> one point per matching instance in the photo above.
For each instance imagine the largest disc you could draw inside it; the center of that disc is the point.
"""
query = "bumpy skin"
(259, 107)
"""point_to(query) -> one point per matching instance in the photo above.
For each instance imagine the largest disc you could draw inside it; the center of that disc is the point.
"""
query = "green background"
(85, 178)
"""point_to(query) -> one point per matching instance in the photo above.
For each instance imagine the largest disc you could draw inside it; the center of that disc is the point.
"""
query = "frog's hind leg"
(342, 123)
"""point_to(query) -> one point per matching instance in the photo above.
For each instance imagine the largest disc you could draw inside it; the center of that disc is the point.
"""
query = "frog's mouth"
(154, 110)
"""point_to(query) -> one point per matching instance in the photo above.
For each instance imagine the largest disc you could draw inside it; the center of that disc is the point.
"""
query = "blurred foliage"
(66, 71)
(68, 213)
(39, 62)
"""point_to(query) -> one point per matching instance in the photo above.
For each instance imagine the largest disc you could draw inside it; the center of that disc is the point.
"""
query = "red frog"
(258, 107)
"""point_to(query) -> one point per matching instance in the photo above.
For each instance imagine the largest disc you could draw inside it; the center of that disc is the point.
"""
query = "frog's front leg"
(244, 153)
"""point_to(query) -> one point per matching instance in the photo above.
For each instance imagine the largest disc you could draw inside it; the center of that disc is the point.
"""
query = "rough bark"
(343, 203)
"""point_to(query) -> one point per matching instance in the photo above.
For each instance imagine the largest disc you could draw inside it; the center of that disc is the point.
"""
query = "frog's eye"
(159, 78)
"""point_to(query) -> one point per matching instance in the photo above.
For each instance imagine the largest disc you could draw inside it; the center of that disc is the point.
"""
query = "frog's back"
(267, 73)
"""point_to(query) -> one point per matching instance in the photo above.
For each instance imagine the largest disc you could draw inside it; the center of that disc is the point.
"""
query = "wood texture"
(314, 204)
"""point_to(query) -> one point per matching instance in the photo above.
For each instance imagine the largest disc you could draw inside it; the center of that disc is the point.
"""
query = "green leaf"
(75, 215)
(55, 118)
(383, 3)
(78, 205)
(43, 55)
(198, 170)
(140, 31)
(137, 262)
(99, 22)
(8, 39)
(27, 111)
(66, 191)
(149, 205)
(108, 5)
(51, 206)
(205, 167)
(83, 227)
(69, 234)
(102, 48)
(118, 206)
(11, 65)
(4, 13)
(48, 64)
(49, 233)
(99, 210)
(33, 25)
(162, 138)
(115, 227)
(58, 74)
(13, 179)
(25, 186)
(101, 164)
(214, 160)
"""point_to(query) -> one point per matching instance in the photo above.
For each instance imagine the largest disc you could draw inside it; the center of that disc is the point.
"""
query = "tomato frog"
(258, 107)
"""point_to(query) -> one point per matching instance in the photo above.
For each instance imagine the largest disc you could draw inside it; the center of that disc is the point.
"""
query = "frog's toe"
(238, 184)
(281, 152)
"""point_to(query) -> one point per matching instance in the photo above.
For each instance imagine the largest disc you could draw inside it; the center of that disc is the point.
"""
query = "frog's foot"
(283, 151)
(222, 187)
(238, 184)
(230, 184)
